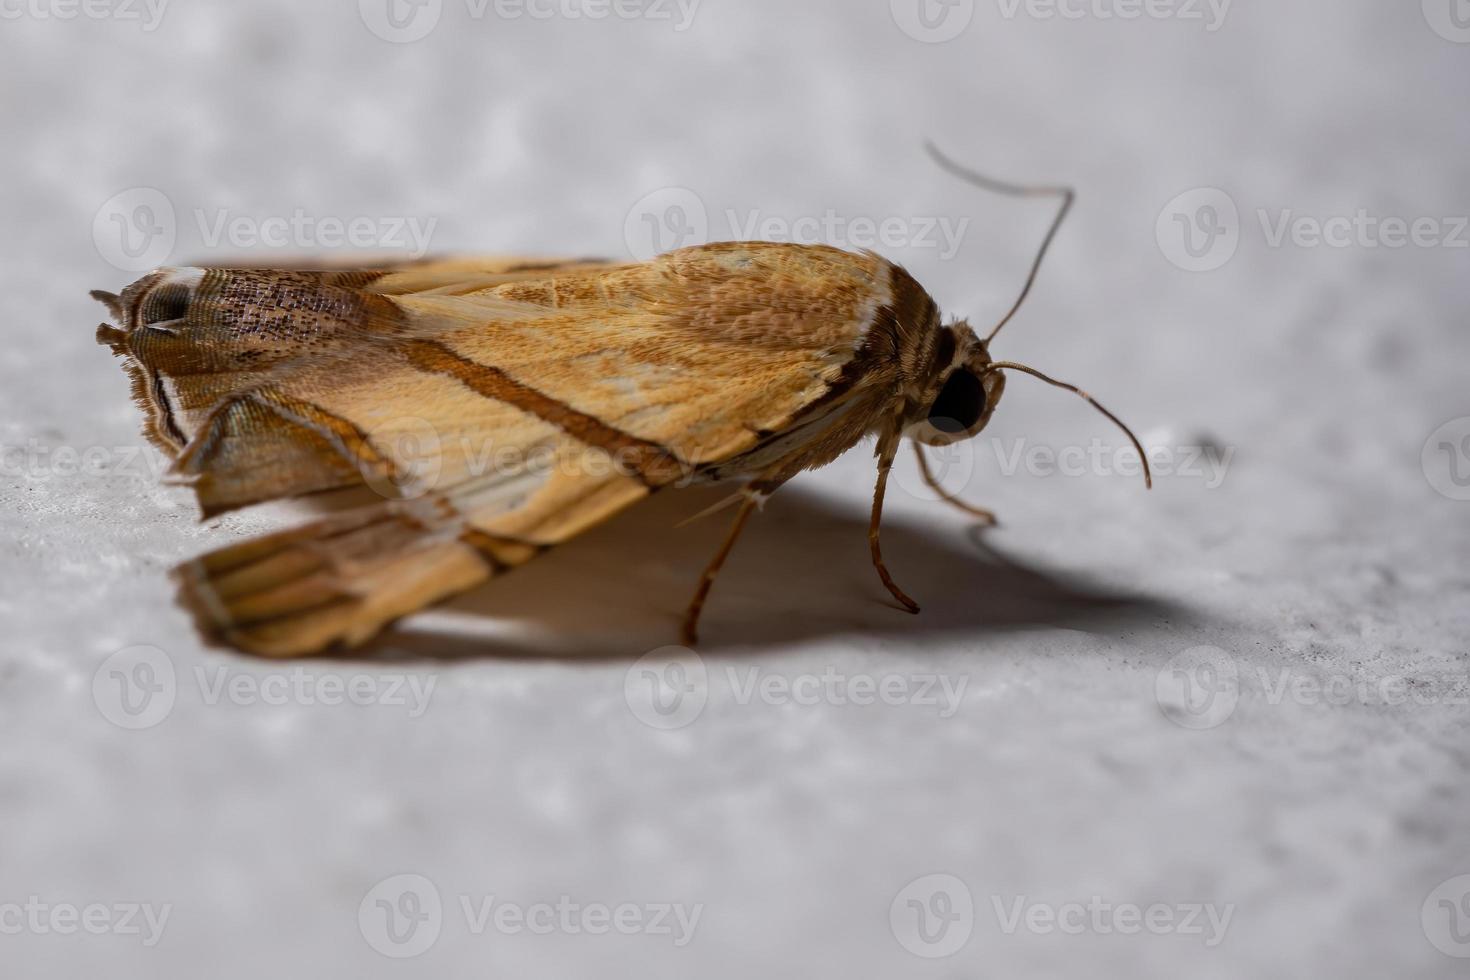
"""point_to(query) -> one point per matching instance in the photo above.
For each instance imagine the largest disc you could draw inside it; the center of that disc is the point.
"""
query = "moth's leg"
(690, 634)
(986, 516)
(887, 450)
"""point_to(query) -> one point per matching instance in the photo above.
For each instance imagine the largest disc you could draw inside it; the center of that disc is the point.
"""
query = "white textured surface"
(1324, 554)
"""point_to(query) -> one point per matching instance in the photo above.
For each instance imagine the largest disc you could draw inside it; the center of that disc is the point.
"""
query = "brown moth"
(596, 384)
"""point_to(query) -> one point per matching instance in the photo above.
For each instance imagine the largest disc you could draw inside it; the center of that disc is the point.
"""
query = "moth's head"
(960, 387)
(963, 386)
(959, 397)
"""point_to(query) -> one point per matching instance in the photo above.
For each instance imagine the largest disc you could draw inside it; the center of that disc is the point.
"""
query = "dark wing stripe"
(353, 443)
(650, 462)
(503, 553)
(164, 413)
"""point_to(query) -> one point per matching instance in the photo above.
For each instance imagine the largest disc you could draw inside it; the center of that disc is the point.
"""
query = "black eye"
(960, 404)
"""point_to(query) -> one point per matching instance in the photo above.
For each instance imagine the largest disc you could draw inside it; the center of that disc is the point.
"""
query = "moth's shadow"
(801, 571)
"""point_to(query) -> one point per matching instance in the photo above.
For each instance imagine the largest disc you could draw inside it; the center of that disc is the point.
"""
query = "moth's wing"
(228, 366)
(705, 353)
(509, 412)
(339, 580)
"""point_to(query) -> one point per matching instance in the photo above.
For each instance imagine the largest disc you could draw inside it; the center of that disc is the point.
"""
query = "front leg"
(987, 517)
(887, 450)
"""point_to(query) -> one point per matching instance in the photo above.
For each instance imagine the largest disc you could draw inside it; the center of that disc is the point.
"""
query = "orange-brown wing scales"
(509, 405)
(700, 352)
(335, 581)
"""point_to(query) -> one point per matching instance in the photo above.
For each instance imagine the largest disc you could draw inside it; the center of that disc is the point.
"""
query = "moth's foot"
(908, 604)
(689, 634)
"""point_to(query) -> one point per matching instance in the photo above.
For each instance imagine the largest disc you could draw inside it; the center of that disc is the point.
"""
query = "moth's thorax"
(929, 356)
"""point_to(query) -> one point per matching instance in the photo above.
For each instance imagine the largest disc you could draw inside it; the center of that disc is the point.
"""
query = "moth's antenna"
(1148, 476)
(1067, 194)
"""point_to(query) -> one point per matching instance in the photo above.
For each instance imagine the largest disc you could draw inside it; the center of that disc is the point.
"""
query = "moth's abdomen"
(219, 320)
(201, 346)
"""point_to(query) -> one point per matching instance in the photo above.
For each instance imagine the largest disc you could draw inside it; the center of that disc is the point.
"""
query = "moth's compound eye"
(961, 403)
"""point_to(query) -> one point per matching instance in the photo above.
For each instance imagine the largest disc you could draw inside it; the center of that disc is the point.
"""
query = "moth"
(544, 396)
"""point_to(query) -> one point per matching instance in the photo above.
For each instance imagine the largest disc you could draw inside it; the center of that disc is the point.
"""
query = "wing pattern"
(500, 406)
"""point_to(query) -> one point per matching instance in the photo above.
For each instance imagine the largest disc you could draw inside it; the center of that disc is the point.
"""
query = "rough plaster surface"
(1325, 555)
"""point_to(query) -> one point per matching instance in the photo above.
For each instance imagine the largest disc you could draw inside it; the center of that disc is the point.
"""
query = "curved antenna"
(1067, 194)
(1148, 476)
